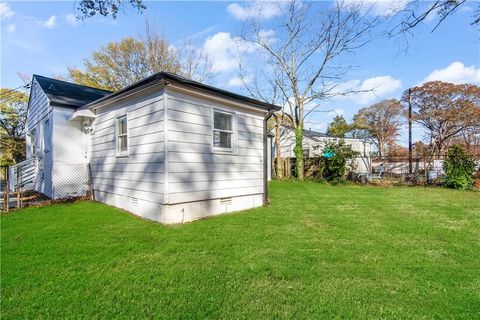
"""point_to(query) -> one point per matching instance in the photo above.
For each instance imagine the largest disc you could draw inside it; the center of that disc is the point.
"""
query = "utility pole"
(410, 165)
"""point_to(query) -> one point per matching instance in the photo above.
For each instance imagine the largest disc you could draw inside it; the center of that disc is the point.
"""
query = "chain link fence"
(33, 182)
(426, 169)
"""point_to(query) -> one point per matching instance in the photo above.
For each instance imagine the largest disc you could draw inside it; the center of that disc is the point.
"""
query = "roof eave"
(163, 78)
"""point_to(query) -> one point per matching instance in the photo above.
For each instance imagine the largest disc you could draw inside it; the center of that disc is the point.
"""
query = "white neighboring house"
(314, 142)
(165, 148)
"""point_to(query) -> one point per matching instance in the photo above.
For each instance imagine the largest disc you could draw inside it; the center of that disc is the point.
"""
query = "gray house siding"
(195, 171)
(39, 106)
(136, 179)
(39, 111)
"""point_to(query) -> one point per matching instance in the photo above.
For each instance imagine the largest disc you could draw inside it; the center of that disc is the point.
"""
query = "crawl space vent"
(226, 201)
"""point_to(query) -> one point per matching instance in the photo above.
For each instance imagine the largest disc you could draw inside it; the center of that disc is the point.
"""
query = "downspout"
(265, 156)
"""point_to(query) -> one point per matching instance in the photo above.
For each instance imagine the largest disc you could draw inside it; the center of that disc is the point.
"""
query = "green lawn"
(317, 251)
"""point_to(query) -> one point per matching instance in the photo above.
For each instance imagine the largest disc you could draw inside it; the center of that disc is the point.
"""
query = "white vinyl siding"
(196, 171)
(38, 114)
(39, 106)
(141, 174)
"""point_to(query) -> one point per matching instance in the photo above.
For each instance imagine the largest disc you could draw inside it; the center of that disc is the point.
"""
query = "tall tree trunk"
(278, 152)
(298, 150)
(380, 149)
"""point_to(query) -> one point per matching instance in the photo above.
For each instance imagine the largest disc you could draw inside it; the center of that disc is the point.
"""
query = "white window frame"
(117, 135)
(46, 135)
(33, 142)
(232, 132)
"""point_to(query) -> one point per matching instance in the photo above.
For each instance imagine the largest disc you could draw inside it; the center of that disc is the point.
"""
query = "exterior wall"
(69, 170)
(198, 174)
(171, 173)
(134, 182)
(68, 137)
(39, 110)
(184, 212)
(362, 163)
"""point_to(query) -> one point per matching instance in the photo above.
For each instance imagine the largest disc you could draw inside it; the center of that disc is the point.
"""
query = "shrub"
(335, 161)
(477, 182)
(459, 167)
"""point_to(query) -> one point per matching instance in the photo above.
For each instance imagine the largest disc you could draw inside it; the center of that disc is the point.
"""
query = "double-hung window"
(46, 136)
(223, 131)
(122, 136)
(33, 143)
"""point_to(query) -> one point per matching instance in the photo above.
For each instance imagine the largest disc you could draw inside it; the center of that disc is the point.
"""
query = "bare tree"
(416, 12)
(194, 62)
(301, 54)
(266, 87)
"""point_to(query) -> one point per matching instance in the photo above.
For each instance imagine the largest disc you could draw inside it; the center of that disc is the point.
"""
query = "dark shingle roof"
(67, 94)
(315, 134)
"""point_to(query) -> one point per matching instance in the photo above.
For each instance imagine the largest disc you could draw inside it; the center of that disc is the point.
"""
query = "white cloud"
(383, 8)
(5, 11)
(11, 28)
(238, 82)
(72, 19)
(223, 49)
(456, 73)
(50, 23)
(255, 9)
(368, 90)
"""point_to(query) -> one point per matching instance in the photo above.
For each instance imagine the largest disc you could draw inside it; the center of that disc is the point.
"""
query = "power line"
(25, 87)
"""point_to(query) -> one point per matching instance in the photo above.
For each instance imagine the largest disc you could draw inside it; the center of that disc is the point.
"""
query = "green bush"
(335, 161)
(459, 167)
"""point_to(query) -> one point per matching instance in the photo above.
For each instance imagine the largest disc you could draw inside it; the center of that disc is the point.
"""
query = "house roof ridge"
(71, 83)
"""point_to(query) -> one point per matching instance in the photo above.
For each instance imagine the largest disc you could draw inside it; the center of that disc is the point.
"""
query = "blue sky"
(41, 37)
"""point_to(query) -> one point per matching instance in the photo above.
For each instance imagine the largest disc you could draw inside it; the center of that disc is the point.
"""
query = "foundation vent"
(134, 201)
(226, 201)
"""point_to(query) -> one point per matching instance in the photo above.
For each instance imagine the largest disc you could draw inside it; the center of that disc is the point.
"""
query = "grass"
(317, 251)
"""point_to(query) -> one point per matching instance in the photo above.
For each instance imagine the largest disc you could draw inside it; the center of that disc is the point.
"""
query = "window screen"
(122, 138)
(46, 135)
(222, 130)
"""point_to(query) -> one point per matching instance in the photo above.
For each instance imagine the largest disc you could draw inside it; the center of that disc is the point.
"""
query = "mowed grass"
(317, 251)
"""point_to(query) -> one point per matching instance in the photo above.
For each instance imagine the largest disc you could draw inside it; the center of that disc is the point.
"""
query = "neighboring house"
(165, 148)
(314, 142)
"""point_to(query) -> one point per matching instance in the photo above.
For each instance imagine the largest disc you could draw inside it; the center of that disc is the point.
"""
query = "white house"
(56, 147)
(165, 148)
(314, 142)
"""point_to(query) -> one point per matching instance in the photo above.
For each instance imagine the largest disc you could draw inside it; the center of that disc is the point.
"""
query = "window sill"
(122, 155)
(223, 151)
